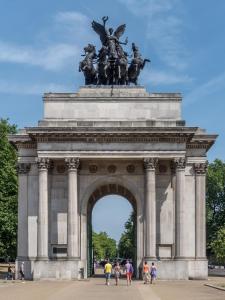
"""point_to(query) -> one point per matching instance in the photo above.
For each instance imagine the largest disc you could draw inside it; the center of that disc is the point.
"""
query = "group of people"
(128, 268)
(149, 273)
(11, 272)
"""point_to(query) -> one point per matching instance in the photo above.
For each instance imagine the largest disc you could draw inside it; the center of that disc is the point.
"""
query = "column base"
(72, 258)
(42, 258)
(182, 269)
(59, 270)
(184, 258)
(154, 258)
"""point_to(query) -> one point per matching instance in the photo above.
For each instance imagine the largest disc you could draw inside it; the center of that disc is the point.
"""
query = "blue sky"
(41, 43)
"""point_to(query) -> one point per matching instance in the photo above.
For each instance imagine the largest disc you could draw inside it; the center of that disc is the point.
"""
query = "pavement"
(96, 289)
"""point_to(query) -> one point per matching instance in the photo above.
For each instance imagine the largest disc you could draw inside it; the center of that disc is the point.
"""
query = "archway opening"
(111, 222)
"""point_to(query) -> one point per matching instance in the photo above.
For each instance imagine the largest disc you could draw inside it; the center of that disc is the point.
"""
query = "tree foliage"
(103, 246)
(218, 246)
(126, 246)
(215, 203)
(8, 192)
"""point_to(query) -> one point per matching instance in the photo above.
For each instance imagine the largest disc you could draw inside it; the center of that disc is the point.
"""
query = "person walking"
(146, 274)
(22, 271)
(10, 273)
(129, 272)
(117, 272)
(153, 272)
(107, 271)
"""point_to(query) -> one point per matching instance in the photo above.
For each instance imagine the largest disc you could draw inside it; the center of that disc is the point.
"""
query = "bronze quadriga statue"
(111, 65)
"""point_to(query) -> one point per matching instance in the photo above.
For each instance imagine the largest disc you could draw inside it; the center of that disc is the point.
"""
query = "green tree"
(103, 246)
(126, 246)
(8, 192)
(218, 246)
(215, 202)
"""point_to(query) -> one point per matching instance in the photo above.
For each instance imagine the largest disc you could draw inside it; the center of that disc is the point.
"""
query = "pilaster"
(200, 219)
(22, 238)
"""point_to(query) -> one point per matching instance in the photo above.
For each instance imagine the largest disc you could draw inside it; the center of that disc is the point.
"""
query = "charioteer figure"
(112, 61)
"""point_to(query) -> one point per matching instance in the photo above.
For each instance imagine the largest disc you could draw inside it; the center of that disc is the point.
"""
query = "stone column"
(42, 248)
(22, 238)
(180, 164)
(150, 207)
(72, 217)
(200, 222)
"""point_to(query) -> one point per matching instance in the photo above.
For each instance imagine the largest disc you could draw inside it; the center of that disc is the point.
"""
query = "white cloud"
(207, 89)
(71, 17)
(31, 89)
(164, 29)
(52, 55)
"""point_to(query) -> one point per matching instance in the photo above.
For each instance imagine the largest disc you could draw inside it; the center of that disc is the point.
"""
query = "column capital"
(43, 163)
(72, 163)
(180, 163)
(150, 163)
(23, 168)
(200, 168)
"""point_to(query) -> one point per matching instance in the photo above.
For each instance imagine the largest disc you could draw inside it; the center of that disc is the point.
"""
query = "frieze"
(198, 146)
(150, 163)
(23, 168)
(26, 145)
(200, 168)
(72, 163)
(131, 139)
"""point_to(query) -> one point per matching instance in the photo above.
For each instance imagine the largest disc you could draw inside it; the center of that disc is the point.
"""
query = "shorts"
(107, 275)
(129, 275)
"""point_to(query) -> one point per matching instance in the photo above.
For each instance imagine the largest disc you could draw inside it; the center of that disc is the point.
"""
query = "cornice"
(112, 135)
(188, 135)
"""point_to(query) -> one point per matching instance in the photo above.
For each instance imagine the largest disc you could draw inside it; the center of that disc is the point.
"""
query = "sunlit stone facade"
(104, 140)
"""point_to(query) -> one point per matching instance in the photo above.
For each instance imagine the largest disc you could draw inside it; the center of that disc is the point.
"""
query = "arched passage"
(99, 193)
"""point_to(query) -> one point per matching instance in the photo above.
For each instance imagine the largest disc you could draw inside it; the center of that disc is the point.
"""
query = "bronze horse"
(137, 64)
(87, 65)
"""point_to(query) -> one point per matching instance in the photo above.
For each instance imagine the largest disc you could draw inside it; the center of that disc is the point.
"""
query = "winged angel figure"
(110, 39)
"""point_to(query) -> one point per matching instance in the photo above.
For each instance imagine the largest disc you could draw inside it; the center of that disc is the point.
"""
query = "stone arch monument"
(109, 137)
(119, 140)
